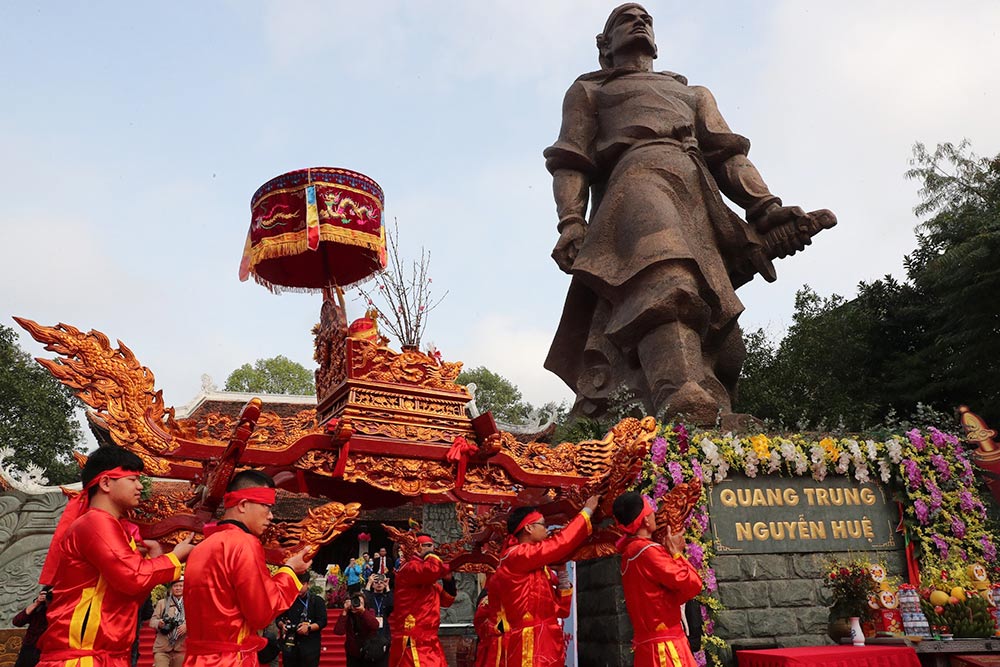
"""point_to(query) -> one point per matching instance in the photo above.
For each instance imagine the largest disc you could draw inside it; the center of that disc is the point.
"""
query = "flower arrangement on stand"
(851, 584)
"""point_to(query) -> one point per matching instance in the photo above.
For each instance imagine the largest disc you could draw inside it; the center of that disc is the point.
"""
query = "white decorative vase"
(857, 636)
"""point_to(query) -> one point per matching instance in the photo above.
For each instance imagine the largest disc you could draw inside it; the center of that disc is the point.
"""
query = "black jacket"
(314, 611)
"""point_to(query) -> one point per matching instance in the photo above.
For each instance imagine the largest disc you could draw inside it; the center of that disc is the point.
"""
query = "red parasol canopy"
(315, 228)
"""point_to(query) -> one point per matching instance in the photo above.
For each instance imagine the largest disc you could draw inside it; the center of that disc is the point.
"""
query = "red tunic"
(529, 600)
(229, 595)
(101, 582)
(487, 623)
(656, 586)
(416, 615)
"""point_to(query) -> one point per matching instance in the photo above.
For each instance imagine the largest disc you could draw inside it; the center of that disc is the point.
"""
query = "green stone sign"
(769, 514)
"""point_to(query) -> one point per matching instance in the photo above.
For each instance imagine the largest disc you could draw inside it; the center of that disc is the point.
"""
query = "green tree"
(277, 375)
(497, 394)
(37, 419)
(956, 273)
(932, 340)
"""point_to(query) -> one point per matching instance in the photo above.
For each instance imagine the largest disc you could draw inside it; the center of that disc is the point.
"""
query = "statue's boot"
(680, 380)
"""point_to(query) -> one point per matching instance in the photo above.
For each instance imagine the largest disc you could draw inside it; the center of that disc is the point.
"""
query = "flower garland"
(928, 471)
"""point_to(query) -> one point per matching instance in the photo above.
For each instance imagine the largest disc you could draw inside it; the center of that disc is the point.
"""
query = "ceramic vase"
(857, 636)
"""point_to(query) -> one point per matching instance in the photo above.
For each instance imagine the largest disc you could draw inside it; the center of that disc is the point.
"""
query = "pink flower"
(695, 554)
(683, 442)
(676, 472)
(920, 509)
(989, 551)
(658, 451)
(916, 439)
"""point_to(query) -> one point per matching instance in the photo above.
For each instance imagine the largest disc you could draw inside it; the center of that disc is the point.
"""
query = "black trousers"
(358, 662)
(295, 659)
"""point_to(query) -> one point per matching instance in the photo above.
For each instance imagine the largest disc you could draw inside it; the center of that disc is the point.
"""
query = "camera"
(168, 625)
(288, 640)
(356, 601)
(48, 595)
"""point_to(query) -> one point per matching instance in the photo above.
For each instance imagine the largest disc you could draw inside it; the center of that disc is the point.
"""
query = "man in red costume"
(98, 576)
(416, 617)
(230, 593)
(489, 630)
(658, 581)
(523, 584)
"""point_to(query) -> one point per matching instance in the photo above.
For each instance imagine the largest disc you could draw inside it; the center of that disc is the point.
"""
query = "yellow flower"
(830, 446)
(761, 446)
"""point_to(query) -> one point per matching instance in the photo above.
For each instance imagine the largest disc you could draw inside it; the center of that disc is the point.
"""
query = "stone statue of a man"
(652, 305)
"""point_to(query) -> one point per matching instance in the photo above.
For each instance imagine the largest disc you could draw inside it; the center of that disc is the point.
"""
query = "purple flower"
(711, 584)
(682, 439)
(676, 472)
(936, 496)
(980, 510)
(967, 475)
(963, 554)
(696, 468)
(704, 613)
(659, 451)
(709, 627)
(965, 501)
(699, 658)
(916, 439)
(941, 545)
(951, 439)
(661, 488)
(695, 554)
(701, 515)
(937, 437)
(989, 551)
(941, 466)
(920, 509)
(913, 477)
(957, 527)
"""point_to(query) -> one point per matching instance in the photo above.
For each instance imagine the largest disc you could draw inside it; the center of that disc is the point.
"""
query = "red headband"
(75, 507)
(647, 509)
(530, 519)
(512, 538)
(264, 495)
(425, 541)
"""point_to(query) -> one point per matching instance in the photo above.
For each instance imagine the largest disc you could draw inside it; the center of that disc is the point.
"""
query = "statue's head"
(628, 27)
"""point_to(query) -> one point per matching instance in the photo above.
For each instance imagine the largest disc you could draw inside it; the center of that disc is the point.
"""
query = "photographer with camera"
(34, 617)
(300, 628)
(171, 629)
(362, 643)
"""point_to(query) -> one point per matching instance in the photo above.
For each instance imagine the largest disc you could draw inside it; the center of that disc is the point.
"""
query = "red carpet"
(333, 645)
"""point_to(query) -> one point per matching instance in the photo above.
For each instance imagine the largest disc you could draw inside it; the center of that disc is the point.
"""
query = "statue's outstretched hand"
(568, 245)
(789, 229)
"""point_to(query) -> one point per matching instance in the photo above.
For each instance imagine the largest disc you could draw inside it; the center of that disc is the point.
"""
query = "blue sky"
(133, 136)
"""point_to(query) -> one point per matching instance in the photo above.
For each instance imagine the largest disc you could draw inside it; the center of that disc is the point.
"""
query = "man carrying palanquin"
(531, 600)
(230, 594)
(98, 575)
